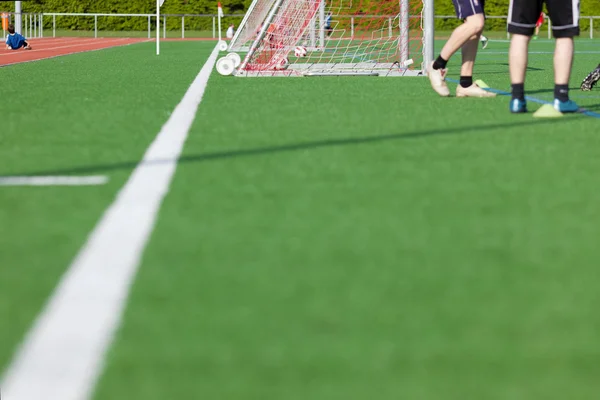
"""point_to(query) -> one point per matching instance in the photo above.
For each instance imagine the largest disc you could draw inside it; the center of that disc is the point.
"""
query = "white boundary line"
(484, 52)
(57, 40)
(62, 356)
(53, 180)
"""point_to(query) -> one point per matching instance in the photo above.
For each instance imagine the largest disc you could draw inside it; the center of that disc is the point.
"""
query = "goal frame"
(339, 69)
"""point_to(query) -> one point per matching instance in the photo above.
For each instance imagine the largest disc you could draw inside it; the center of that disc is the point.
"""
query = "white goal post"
(250, 25)
(333, 37)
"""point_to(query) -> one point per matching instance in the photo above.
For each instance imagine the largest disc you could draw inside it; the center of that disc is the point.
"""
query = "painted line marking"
(484, 52)
(53, 180)
(62, 356)
(534, 100)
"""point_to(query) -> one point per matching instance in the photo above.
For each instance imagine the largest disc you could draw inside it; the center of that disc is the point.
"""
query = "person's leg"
(469, 52)
(466, 88)
(470, 29)
(518, 57)
(564, 15)
(563, 60)
(517, 60)
(521, 25)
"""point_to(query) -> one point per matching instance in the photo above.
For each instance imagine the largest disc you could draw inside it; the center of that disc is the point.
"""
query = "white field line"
(40, 41)
(484, 52)
(87, 43)
(63, 38)
(63, 353)
(53, 180)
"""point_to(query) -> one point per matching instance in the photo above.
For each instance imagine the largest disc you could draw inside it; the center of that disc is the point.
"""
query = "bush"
(442, 7)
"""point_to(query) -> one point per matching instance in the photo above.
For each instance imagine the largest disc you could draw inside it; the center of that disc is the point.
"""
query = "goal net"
(337, 37)
(250, 25)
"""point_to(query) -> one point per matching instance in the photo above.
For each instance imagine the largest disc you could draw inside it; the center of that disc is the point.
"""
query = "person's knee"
(515, 37)
(475, 23)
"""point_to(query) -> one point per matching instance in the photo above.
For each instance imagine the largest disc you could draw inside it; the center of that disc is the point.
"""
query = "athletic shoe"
(437, 77)
(590, 81)
(518, 106)
(484, 42)
(568, 106)
(473, 91)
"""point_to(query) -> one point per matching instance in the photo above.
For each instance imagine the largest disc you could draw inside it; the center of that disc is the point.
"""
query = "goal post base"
(349, 69)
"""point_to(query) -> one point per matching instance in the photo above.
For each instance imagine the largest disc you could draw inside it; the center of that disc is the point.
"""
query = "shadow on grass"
(539, 91)
(592, 107)
(293, 147)
(528, 67)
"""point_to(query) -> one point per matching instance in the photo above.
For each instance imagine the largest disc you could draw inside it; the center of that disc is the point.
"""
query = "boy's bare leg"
(466, 88)
(563, 60)
(469, 30)
(517, 58)
(469, 52)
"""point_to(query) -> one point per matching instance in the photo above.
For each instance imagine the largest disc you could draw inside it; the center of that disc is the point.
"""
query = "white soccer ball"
(300, 51)
(281, 63)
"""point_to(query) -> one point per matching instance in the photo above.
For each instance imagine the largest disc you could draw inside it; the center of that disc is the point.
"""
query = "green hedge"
(442, 7)
(500, 7)
(133, 7)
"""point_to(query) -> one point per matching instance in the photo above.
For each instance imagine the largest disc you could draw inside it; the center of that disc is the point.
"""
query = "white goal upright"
(334, 37)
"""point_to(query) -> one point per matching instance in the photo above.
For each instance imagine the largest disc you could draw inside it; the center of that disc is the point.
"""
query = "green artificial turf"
(357, 238)
(323, 238)
(62, 116)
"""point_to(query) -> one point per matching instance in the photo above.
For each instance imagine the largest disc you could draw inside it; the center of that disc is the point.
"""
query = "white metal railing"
(590, 18)
(33, 23)
(33, 26)
(150, 19)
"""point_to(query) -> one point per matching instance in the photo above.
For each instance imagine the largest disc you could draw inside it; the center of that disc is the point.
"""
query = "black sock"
(561, 92)
(598, 67)
(439, 63)
(466, 81)
(518, 91)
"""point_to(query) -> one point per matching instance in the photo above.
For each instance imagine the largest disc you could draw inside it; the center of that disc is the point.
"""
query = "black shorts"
(466, 8)
(564, 15)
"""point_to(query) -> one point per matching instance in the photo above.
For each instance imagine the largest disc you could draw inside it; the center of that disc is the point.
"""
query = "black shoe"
(590, 81)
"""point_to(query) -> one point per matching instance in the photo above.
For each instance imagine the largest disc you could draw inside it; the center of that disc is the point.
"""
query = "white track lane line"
(62, 355)
(53, 180)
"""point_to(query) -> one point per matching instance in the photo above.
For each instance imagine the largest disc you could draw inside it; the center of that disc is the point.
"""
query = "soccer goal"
(334, 37)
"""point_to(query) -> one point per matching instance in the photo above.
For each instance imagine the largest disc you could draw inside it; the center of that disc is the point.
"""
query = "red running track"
(55, 47)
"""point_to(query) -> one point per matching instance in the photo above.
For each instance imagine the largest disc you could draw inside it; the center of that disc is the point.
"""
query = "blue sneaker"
(568, 106)
(518, 106)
